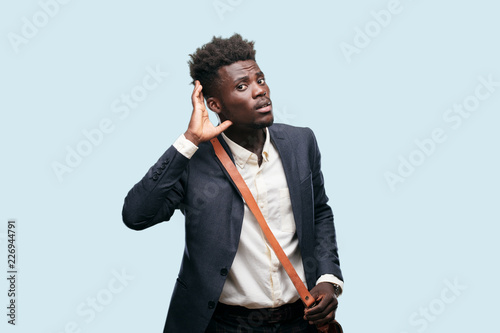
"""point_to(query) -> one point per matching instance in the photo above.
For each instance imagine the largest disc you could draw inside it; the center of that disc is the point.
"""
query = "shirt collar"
(243, 156)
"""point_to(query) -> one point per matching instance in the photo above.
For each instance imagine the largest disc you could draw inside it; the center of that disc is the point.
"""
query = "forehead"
(239, 69)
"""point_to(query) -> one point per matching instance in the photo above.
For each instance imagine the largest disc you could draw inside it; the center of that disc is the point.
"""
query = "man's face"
(243, 96)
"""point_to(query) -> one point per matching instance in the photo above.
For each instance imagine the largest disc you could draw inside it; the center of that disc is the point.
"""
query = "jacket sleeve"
(325, 247)
(161, 191)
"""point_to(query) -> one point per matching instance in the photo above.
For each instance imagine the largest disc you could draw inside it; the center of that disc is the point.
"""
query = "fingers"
(197, 96)
(224, 126)
(221, 128)
(323, 312)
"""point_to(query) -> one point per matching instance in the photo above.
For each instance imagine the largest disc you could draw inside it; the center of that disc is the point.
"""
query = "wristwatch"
(337, 290)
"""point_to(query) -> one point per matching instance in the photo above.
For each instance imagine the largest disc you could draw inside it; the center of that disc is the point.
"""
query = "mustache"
(263, 102)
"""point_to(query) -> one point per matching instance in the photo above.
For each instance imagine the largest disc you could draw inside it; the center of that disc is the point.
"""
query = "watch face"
(336, 289)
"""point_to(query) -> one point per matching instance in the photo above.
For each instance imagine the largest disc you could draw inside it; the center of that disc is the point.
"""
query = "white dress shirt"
(256, 278)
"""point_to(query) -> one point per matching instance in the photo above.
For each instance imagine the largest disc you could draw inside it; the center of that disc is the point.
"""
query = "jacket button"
(155, 177)
(223, 272)
(211, 304)
(163, 166)
(159, 171)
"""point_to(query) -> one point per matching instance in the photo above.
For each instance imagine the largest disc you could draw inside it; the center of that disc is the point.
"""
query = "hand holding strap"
(238, 180)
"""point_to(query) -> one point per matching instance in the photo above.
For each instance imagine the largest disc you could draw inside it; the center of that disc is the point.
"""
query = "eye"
(261, 81)
(241, 86)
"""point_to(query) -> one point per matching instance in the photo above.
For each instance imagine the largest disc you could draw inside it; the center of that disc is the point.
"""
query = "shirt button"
(211, 304)
(223, 272)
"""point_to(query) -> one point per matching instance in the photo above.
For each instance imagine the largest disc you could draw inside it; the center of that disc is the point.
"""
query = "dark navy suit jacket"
(213, 209)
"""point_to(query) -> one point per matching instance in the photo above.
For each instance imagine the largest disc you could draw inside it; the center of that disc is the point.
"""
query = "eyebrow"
(246, 77)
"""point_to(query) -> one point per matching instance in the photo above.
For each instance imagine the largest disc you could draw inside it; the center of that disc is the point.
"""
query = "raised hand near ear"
(200, 129)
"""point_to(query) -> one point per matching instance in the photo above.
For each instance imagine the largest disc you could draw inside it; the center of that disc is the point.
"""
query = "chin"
(263, 125)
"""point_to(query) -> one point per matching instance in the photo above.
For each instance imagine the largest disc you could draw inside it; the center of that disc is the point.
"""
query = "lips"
(264, 106)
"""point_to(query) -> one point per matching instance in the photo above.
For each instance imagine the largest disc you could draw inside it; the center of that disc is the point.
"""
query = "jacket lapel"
(228, 151)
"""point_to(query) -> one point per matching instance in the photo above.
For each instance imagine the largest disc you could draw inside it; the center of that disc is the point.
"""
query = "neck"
(250, 139)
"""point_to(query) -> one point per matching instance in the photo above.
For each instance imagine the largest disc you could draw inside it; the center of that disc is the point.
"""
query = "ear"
(214, 104)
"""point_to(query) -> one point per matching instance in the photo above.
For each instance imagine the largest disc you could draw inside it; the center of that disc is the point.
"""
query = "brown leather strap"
(305, 295)
(250, 201)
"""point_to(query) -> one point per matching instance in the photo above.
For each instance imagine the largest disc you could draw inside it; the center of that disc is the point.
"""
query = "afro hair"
(206, 61)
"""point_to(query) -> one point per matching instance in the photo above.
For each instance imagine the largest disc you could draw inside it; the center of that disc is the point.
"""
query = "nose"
(260, 91)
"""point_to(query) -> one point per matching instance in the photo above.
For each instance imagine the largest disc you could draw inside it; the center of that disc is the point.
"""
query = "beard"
(263, 125)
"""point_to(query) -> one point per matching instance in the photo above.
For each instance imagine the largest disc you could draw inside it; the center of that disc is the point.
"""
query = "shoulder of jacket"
(278, 127)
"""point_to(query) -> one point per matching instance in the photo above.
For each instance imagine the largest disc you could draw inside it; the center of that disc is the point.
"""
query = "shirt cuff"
(332, 279)
(185, 147)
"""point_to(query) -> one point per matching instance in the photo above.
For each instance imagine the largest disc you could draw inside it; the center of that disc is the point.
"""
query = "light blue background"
(397, 247)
